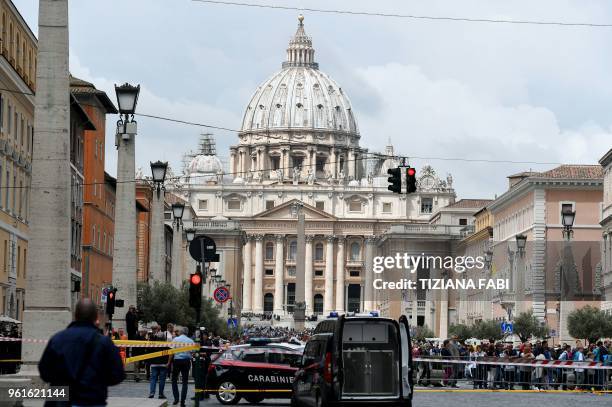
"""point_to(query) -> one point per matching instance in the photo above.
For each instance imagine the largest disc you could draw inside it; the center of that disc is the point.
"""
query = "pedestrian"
(600, 354)
(82, 359)
(158, 366)
(579, 357)
(526, 371)
(131, 323)
(181, 363)
(169, 332)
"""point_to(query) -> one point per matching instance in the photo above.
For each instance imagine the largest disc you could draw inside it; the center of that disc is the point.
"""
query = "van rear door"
(405, 359)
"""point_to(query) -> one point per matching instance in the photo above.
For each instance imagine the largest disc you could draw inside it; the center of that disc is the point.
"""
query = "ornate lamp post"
(521, 242)
(190, 235)
(124, 256)
(567, 220)
(157, 259)
(568, 274)
(178, 210)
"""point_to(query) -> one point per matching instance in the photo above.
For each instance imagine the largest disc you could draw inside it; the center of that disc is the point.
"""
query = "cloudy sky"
(437, 89)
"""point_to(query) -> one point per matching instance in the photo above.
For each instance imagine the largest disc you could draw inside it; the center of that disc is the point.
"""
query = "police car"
(358, 359)
(254, 371)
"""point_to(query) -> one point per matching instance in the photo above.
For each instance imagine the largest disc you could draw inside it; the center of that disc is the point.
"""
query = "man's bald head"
(86, 311)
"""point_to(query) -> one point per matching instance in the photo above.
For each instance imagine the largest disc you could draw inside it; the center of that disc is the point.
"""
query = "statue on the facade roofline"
(249, 177)
(370, 178)
(449, 181)
(219, 176)
(139, 174)
(257, 177)
(279, 175)
(296, 175)
(311, 176)
(341, 176)
(329, 176)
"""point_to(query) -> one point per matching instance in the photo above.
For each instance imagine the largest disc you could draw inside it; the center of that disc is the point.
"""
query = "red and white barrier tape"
(561, 364)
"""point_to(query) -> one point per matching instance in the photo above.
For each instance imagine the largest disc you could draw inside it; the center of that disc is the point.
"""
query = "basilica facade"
(299, 142)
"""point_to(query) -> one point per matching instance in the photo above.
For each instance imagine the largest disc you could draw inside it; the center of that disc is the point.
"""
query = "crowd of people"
(505, 366)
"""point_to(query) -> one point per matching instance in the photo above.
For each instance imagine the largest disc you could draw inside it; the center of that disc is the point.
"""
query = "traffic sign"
(232, 322)
(507, 327)
(221, 294)
(203, 248)
(105, 291)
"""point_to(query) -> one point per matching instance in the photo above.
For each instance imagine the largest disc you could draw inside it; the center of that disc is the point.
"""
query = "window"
(320, 164)
(355, 251)
(9, 117)
(292, 254)
(386, 207)
(269, 302)
(275, 161)
(354, 273)
(567, 208)
(203, 204)
(320, 205)
(282, 358)
(426, 205)
(269, 251)
(318, 273)
(8, 189)
(1, 112)
(291, 271)
(463, 221)
(297, 161)
(318, 304)
(94, 236)
(319, 252)
(355, 205)
(234, 205)
(269, 205)
(259, 357)
(290, 297)
(269, 272)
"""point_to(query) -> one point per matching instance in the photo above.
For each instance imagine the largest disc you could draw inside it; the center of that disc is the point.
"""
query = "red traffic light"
(411, 172)
(196, 279)
(111, 295)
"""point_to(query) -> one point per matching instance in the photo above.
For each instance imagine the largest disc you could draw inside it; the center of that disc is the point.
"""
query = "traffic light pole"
(197, 363)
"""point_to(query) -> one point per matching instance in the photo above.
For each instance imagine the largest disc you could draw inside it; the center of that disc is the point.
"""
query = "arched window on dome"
(320, 116)
(278, 115)
(299, 115)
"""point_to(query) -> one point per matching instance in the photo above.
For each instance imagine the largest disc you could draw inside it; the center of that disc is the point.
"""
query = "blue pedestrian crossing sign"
(232, 322)
(507, 327)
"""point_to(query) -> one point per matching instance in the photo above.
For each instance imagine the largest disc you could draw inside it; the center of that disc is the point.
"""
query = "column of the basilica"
(279, 271)
(333, 162)
(308, 275)
(247, 279)
(369, 264)
(350, 163)
(232, 165)
(340, 276)
(258, 285)
(328, 297)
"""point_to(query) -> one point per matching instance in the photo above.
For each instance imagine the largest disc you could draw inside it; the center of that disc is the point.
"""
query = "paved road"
(424, 398)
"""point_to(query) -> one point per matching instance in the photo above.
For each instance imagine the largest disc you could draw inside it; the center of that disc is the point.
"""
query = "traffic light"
(195, 289)
(410, 180)
(395, 180)
(110, 301)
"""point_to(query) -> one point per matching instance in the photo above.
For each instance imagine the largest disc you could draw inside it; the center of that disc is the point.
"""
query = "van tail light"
(211, 368)
(327, 368)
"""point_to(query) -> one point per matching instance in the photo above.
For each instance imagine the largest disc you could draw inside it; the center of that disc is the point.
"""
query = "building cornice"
(606, 159)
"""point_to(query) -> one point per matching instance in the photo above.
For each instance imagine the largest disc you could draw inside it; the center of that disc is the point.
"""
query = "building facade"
(606, 225)
(551, 276)
(17, 79)
(98, 193)
(300, 143)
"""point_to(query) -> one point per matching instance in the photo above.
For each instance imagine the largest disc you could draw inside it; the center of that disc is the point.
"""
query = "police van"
(255, 371)
(356, 359)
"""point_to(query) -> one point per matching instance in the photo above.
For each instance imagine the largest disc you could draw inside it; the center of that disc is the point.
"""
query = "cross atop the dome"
(300, 51)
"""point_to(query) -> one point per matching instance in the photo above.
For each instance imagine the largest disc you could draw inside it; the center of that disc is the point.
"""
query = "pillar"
(247, 279)
(48, 305)
(157, 252)
(328, 296)
(258, 284)
(350, 164)
(308, 295)
(340, 276)
(279, 274)
(176, 270)
(232, 167)
(333, 163)
(370, 241)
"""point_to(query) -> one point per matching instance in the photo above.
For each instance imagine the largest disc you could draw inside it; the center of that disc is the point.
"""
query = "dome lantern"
(300, 51)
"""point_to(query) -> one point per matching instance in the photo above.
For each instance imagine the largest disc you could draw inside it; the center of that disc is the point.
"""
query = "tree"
(487, 330)
(422, 332)
(462, 331)
(163, 303)
(589, 323)
(527, 325)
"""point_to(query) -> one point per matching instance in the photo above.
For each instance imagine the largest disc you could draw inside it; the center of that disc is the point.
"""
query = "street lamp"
(177, 212)
(190, 234)
(521, 241)
(567, 220)
(127, 98)
(158, 170)
(488, 258)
